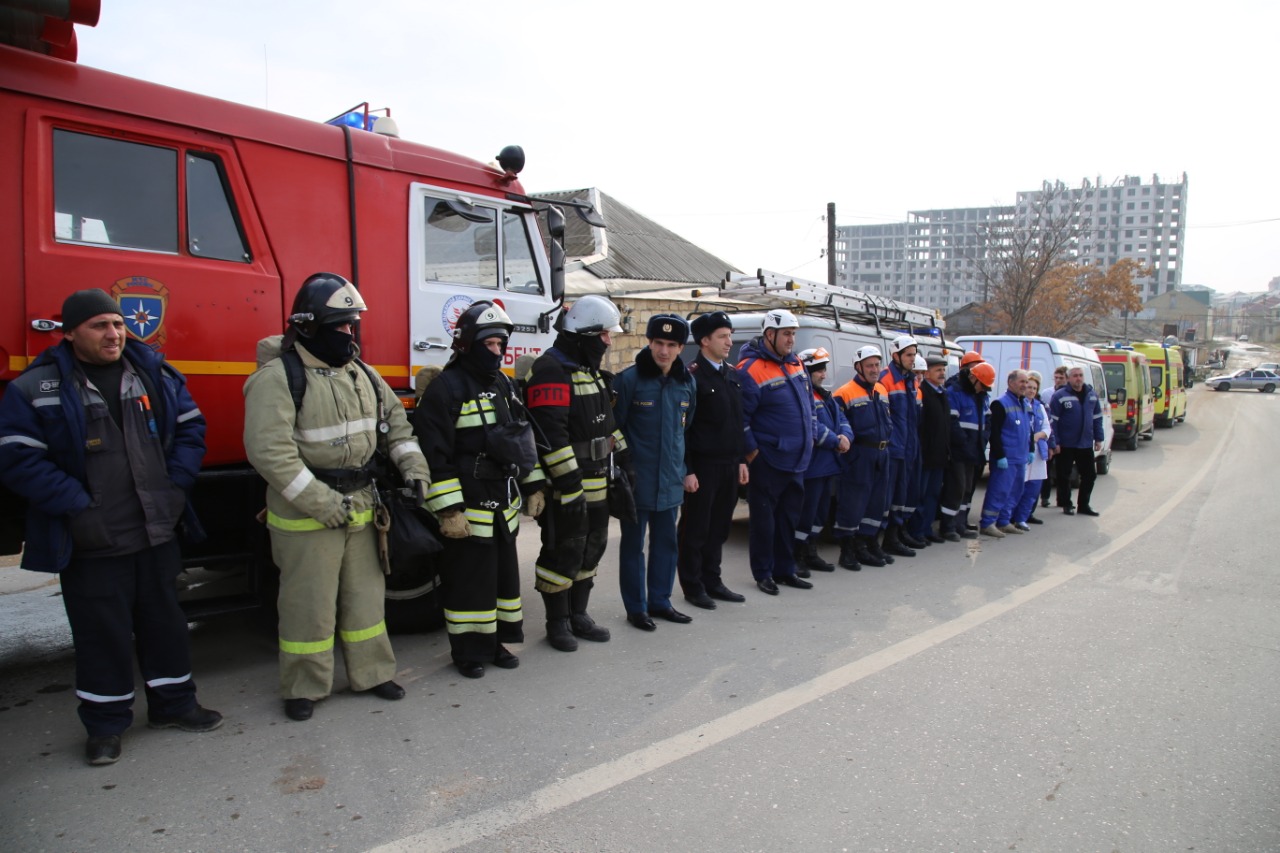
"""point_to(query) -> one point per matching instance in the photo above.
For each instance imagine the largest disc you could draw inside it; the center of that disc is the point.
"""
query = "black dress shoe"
(794, 582)
(723, 593)
(196, 720)
(802, 572)
(504, 659)
(104, 749)
(897, 549)
(299, 709)
(1088, 510)
(933, 537)
(1045, 503)
(766, 585)
(701, 599)
(671, 615)
(470, 668)
(1031, 519)
(388, 690)
(1068, 510)
(642, 621)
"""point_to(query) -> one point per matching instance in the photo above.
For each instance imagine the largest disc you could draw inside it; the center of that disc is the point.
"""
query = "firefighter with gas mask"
(312, 421)
(469, 426)
(570, 401)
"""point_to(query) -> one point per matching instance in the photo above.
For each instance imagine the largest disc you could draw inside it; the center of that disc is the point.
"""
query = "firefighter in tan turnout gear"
(570, 400)
(316, 453)
(468, 424)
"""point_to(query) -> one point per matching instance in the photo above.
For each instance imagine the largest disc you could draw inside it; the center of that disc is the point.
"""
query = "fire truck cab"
(203, 217)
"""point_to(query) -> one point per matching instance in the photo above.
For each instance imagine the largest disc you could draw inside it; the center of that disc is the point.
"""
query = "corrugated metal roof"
(634, 246)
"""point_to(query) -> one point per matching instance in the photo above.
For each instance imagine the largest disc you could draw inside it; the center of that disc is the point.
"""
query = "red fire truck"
(203, 218)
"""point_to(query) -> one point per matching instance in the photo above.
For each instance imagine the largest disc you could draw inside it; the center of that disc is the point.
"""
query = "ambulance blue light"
(357, 119)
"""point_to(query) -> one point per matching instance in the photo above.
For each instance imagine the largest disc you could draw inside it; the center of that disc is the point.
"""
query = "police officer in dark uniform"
(715, 461)
(476, 494)
(570, 401)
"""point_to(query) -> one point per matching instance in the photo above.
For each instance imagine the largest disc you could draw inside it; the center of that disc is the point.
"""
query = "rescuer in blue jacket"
(778, 427)
(1010, 453)
(862, 507)
(831, 440)
(967, 392)
(655, 404)
(1076, 414)
(103, 441)
(900, 381)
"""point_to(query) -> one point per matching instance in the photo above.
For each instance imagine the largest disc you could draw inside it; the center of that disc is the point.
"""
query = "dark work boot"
(848, 555)
(559, 633)
(580, 623)
(906, 538)
(802, 569)
(873, 545)
(862, 550)
(812, 559)
(893, 545)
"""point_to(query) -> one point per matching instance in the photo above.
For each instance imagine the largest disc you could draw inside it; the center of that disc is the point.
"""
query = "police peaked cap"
(708, 323)
(668, 327)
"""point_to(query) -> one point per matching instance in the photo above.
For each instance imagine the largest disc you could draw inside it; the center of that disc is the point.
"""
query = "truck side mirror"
(555, 222)
(557, 267)
(1119, 396)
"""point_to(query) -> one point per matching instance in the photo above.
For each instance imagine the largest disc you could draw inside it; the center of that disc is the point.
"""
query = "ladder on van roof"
(773, 289)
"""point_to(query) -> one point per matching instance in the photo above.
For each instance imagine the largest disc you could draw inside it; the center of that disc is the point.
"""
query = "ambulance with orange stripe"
(1007, 353)
(203, 218)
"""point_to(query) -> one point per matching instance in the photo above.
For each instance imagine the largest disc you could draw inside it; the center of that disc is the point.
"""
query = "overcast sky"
(734, 124)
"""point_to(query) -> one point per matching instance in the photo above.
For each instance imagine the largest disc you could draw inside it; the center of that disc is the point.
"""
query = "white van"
(1009, 352)
(842, 340)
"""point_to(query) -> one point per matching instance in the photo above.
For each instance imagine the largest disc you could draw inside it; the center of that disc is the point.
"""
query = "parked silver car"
(1265, 381)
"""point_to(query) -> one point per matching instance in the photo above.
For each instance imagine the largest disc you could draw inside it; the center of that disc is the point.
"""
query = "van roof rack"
(841, 304)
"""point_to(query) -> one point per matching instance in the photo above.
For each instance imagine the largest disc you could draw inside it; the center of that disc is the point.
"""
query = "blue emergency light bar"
(357, 118)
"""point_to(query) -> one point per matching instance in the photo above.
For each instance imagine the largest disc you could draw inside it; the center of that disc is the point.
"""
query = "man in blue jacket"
(831, 440)
(1076, 414)
(104, 443)
(778, 428)
(655, 404)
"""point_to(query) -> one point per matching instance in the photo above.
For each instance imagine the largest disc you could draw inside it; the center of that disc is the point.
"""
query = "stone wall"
(636, 312)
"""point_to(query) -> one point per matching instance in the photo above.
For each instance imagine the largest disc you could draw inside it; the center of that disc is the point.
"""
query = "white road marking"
(602, 777)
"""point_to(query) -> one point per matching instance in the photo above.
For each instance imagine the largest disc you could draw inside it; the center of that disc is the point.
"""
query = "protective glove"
(335, 514)
(419, 489)
(454, 525)
(576, 509)
(1031, 457)
(1002, 463)
(535, 504)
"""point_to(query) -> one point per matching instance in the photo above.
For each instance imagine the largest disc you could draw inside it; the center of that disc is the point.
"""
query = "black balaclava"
(585, 349)
(480, 361)
(331, 346)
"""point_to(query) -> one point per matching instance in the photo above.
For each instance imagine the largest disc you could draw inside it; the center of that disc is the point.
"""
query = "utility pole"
(831, 243)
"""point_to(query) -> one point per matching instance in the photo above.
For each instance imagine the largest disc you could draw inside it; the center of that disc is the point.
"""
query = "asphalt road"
(1104, 684)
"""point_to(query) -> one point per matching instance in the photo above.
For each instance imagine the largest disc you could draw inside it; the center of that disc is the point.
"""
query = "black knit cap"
(708, 323)
(668, 327)
(86, 304)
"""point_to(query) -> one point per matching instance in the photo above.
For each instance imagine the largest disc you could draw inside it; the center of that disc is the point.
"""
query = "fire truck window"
(520, 273)
(115, 193)
(458, 249)
(212, 228)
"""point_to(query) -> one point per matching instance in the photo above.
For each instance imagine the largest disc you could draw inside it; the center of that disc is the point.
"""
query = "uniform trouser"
(639, 592)
(904, 485)
(813, 512)
(862, 493)
(328, 579)
(1004, 490)
(1027, 503)
(957, 493)
(119, 605)
(774, 498)
(572, 545)
(930, 491)
(705, 519)
(481, 594)
(1083, 459)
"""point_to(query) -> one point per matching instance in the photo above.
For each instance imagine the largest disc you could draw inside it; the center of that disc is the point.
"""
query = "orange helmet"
(969, 358)
(984, 373)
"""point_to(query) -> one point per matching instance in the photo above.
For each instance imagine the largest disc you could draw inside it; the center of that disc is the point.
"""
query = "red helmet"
(969, 358)
(984, 373)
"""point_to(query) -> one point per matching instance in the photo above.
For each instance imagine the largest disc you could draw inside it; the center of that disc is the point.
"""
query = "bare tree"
(1017, 251)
